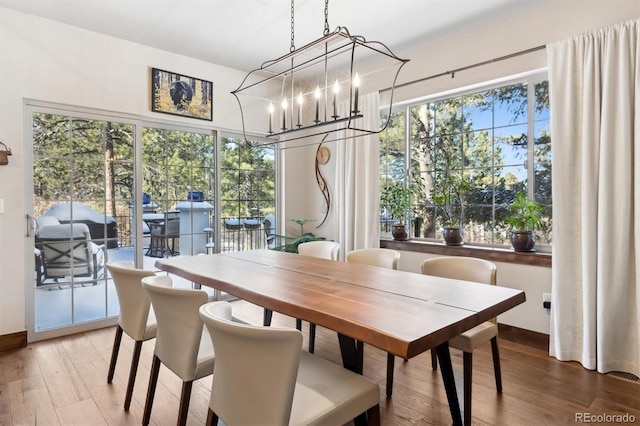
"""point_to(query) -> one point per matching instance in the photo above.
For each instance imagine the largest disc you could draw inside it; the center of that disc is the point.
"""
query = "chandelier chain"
(293, 47)
(326, 17)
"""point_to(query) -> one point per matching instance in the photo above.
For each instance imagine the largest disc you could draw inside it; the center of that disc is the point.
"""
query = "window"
(179, 180)
(247, 193)
(468, 156)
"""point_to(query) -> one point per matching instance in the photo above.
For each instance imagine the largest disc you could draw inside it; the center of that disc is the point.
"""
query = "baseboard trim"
(13, 341)
(526, 337)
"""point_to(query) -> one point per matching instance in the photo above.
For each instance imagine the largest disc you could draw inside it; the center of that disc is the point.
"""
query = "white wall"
(53, 62)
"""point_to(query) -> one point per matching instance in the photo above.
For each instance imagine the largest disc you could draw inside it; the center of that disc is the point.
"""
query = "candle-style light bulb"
(317, 95)
(336, 89)
(271, 109)
(356, 85)
(284, 114)
(300, 102)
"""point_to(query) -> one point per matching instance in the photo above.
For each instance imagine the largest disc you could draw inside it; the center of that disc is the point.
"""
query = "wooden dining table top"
(403, 313)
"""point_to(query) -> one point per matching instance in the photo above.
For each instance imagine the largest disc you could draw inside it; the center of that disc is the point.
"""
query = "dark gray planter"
(399, 232)
(453, 236)
(523, 240)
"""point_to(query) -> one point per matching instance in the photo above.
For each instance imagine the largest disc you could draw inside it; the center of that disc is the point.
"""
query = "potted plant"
(395, 199)
(290, 244)
(524, 221)
(448, 194)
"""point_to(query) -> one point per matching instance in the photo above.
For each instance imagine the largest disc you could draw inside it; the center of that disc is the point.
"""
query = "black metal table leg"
(391, 360)
(266, 320)
(442, 350)
(352, 359)
(352, 353)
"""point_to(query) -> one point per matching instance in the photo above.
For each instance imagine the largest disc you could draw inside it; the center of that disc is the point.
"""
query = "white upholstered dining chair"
(320, 249)
(136, 317)
(183, 344)
(287, 386)
(383, 258)
(323, 250)
(480, 271)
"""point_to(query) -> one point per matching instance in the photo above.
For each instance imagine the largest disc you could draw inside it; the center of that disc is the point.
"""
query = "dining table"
(402, 313)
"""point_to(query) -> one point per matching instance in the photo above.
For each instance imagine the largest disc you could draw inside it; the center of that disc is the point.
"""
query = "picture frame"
(183, 95)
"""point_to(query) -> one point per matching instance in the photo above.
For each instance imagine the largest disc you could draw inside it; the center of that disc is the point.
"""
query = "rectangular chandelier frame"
(296, 69)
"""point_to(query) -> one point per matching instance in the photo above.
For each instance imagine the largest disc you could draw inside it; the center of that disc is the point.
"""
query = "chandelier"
(315, 90)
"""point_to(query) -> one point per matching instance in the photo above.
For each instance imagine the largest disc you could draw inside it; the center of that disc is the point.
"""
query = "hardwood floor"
(64, 382)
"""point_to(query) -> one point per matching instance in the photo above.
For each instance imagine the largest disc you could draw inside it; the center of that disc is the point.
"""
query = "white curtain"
(356, 187)
(594, 96)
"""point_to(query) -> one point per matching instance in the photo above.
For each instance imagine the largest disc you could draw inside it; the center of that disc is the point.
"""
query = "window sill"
(488, 253)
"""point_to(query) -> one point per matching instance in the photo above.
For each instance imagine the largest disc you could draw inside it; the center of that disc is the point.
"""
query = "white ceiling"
(242, 34)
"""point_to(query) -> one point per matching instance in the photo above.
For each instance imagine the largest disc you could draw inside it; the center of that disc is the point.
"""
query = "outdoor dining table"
(402, 313)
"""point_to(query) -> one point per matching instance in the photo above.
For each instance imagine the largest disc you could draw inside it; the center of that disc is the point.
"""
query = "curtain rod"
(453, 72)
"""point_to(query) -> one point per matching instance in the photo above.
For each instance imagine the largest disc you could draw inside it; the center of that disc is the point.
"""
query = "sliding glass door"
(83, 185)
(108, 189)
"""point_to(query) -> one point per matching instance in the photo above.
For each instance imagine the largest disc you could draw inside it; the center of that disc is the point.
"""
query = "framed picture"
(178, 94)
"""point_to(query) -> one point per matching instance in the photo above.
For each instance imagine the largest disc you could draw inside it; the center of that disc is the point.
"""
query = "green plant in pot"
(395, 199)
(524, 221)
(290, 244)
(448, 193)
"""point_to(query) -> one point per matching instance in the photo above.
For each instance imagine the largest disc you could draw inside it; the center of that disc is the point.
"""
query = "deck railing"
(235, 234)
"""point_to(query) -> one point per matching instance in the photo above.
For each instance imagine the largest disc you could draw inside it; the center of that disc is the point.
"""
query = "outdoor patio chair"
(163, 235)
(65, 251)
(269, 225)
